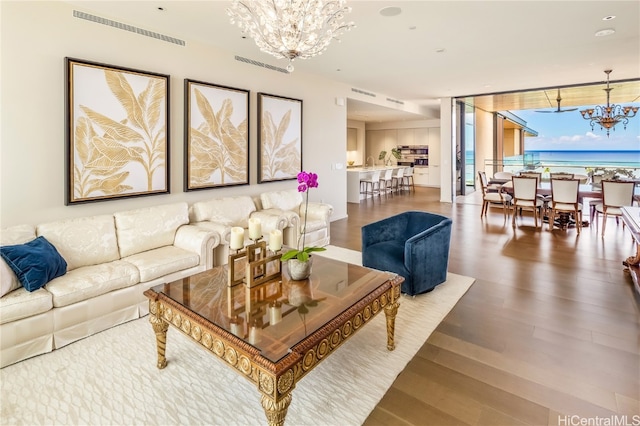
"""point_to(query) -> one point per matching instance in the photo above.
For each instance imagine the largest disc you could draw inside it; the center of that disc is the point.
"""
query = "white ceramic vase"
(299, 270)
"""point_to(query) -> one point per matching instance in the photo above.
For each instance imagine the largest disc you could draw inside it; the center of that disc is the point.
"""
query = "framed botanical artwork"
(216, 136)
(279, 138)
(117, 132)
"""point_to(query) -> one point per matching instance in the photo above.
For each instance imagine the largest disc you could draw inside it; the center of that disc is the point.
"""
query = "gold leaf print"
(278, 156)
(104, 145)
(217, 145)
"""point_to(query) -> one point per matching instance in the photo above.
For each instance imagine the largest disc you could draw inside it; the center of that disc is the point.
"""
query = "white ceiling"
(489, 46)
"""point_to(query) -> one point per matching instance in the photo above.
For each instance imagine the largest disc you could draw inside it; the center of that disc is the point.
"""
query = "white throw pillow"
(8, 279)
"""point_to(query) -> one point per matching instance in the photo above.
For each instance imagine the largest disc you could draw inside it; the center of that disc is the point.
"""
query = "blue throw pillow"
(35, 263)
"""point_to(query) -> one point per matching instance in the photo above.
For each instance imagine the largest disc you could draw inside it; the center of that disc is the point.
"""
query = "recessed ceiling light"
(608, 18)
(390, 11)
(605, 32)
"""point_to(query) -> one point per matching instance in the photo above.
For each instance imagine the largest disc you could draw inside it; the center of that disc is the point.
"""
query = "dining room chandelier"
(291, 29)
(609, 115)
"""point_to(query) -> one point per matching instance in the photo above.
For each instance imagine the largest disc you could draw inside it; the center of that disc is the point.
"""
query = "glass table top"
(276, 315)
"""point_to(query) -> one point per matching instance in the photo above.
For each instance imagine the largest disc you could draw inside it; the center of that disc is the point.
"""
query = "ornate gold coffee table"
(277, 332)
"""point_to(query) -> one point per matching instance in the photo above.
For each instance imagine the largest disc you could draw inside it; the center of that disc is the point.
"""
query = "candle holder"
(260, 267)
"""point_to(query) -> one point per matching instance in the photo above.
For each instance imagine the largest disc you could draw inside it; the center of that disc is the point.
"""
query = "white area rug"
(111, 378)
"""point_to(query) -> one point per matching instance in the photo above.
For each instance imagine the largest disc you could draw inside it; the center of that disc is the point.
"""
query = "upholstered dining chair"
(596, 182)
(561, 175)
(492, 197)
(525, 191)
(615, 194)
(536, 175)
(565, 200)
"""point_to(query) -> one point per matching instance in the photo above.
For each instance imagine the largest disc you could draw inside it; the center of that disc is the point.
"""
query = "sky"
(568, 131)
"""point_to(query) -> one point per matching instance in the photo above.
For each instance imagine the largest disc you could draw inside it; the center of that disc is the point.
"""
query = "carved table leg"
(633, 260)
(275, 411)
(390, 312)
(160, 328)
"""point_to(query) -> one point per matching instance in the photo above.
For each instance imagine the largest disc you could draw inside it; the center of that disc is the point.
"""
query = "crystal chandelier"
(609, 115)
(291, 29)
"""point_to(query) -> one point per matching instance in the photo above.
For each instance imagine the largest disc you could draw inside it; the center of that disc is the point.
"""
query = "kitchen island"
(356, 174)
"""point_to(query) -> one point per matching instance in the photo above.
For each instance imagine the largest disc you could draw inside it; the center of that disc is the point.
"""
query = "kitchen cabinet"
(434, 175)
(434, 145)
(406, 137)
(421, 176)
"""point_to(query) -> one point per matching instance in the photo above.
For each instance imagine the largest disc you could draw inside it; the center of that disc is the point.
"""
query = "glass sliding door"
(465, 149)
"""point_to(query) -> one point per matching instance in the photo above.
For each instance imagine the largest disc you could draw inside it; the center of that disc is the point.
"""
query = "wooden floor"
(549, 329)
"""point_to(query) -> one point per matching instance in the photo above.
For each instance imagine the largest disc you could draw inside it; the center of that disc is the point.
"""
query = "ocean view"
(579, 162)
(585, 158)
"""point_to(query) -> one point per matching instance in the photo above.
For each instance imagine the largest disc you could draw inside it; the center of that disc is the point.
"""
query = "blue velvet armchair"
(412, 244)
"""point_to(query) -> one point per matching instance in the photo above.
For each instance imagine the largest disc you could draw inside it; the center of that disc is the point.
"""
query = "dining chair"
(397, 180)
(596, 182)
(561, 175)
(615, 194)
(492, 197)
(546, 199)
(371, 184)
(525, 191)
(386, 181)
(536, 175)
(565, 201)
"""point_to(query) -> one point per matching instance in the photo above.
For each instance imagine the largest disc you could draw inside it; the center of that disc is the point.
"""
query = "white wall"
(35, 39)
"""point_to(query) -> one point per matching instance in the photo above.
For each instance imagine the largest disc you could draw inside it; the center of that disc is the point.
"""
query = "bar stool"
(386, 181)
(371, 184)
(397, 179)
(408, 179)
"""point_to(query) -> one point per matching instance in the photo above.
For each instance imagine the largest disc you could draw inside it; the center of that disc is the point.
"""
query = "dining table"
(584, 191)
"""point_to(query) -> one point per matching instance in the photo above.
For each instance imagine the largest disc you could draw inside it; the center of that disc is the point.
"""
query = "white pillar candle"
(237, 238)
(254, 334)
(275, 240)
(236, 326)
(255, 228)
(275, 313)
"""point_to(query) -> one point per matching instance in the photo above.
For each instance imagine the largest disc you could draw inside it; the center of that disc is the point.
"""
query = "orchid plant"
(306, 181)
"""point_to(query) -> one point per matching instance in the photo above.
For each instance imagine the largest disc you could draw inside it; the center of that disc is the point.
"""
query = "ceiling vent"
(261, 64)
(395, 101)
(126, 27)
(362, 92)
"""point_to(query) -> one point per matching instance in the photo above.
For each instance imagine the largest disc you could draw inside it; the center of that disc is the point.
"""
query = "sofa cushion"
(229, 211)
(8, 279)
(21, 304)
(90, 281)
(35, 263)
(284, 200)
(18, 234)
(146, 229)
(83, 241)
(156, 263)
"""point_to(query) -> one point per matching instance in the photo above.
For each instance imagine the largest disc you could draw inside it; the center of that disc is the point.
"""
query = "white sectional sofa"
(111, 260)
(291, 204)
(221, 214)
